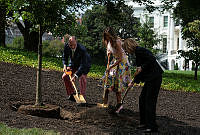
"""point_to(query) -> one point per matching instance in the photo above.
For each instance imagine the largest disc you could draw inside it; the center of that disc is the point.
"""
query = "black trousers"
(147, 102)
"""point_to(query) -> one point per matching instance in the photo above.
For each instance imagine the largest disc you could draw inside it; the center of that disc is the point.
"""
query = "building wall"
(12, 32)
(168, 30)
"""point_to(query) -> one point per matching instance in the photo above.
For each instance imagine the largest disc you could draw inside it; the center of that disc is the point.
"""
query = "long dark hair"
(110, 33)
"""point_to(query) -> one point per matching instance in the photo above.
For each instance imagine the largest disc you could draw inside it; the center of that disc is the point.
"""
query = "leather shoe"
(71, 98)
(149, 130)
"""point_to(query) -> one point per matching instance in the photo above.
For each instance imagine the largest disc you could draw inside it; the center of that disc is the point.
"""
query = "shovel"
(105, 84)
(77, 97)
(122, 101)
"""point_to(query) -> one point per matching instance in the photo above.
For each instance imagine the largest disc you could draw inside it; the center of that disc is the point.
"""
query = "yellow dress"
(120, 75)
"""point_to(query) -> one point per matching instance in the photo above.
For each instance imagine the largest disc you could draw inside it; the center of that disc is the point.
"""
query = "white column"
(181, 60)
(180, 40)
(168, 43)
(168, 37)
(171, 33)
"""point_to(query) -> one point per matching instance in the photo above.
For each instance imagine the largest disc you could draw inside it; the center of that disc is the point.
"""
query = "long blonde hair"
(129, 45)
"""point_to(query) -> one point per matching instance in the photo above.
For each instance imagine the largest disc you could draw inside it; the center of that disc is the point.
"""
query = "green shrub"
(53, 48)
(17, 43)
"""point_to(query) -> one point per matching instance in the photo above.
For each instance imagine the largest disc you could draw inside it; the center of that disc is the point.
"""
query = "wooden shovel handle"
(69, 73)
(107, 73)
(136, 73)
(106, 77)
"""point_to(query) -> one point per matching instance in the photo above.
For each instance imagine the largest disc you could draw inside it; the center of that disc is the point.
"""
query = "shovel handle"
(69, 73)
(135, 74)
(106, 77)
(126, 93)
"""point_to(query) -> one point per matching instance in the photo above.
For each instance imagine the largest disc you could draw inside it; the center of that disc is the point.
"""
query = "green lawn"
(181, 80)
(5, 130)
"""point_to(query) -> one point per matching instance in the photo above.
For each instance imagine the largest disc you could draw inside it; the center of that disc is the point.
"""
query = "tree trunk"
(195, 72)
(39, 70)
(31, 38)
(2, 24)
(33, 41)
(26, 40)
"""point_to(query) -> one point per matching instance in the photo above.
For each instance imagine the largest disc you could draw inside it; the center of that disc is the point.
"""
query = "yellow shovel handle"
(69, 73)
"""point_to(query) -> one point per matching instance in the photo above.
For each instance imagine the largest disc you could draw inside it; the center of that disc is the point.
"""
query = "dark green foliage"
(53, 48)
(192, 55)
(118, 16)
(3, 20)
(147, 37)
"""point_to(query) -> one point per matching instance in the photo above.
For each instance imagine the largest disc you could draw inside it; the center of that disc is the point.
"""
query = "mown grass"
(181, 80)
(5, 130)
(172, 80)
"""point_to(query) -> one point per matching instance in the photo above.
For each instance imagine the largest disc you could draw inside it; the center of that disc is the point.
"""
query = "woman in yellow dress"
(119, 69)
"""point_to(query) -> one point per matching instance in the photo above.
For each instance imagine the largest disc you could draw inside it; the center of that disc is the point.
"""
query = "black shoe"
(71, 98)
(141, 127)
(150, 130)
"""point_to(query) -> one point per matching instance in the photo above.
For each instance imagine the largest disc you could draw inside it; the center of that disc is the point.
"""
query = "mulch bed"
(178, 113)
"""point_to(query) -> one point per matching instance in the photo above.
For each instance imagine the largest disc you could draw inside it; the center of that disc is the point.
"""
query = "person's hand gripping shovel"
(77, 97)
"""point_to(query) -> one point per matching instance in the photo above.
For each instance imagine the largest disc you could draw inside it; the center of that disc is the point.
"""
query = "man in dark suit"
(150, 72)
(75, 58)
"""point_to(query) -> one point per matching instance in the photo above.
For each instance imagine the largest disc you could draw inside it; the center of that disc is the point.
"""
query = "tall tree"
(119, 16)
(3, 22)
(49, 16)
(54, 14)
(194, 44)
(23, 8)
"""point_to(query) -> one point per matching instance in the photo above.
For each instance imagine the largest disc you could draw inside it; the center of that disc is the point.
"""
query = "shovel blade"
(76, 97)
(82, 99)
(102, 105)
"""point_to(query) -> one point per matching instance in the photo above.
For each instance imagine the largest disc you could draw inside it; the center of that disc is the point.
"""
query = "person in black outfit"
(150, 72)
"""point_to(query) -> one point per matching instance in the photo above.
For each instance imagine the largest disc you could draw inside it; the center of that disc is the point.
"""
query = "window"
(164, 45)
(177, 43)
(165, 23)
(151, 21)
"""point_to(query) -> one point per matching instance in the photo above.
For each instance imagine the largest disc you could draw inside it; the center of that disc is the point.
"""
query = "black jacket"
(150, 67)
(80, 61)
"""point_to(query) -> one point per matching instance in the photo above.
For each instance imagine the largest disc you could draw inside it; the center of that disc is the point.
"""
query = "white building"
(169, 31)
(13, 31)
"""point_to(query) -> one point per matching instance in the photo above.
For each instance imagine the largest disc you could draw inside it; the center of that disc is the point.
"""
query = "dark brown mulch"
(178, 113)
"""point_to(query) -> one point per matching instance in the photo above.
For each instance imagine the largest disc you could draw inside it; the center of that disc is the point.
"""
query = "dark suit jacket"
(81, 60)
(150, 67)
